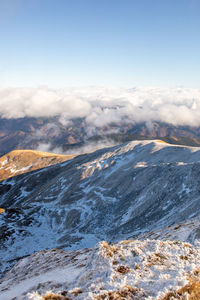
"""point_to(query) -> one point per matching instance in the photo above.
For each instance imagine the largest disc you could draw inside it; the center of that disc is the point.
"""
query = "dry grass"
(161, 141)
(109, 250)
(190, 291)
(156, 259)
(125, 242)
(123, 269)
(177, 227)
(52, 296)
(196, 273)
(187, 245)
(20, 159)
(183, 257)
(76, 291)
(137, 267)
(64, 295)
(2, 210)
(135, 252)
(127, 292)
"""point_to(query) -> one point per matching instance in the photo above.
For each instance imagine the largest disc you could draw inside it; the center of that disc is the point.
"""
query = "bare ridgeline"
(141, 197)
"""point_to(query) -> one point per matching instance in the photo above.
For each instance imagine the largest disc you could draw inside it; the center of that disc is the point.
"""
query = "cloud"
(48, 130)
(46, 148)
(102, 106)
(88, 147)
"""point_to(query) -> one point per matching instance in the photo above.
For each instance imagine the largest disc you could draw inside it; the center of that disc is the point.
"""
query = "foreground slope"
(122, 192)
(149, 269)
(23, 161)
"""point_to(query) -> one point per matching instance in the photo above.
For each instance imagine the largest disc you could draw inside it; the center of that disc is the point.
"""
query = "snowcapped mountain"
(141, 188)
(22, 161)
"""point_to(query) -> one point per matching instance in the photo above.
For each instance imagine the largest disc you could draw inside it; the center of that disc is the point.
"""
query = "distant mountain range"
(49, 134)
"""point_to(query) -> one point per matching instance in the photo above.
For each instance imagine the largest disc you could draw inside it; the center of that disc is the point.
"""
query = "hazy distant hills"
(49, 134)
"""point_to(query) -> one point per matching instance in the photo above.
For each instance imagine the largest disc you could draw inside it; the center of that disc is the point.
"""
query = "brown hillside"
(22, 161)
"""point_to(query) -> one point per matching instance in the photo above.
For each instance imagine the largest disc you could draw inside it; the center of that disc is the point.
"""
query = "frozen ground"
(148, 269)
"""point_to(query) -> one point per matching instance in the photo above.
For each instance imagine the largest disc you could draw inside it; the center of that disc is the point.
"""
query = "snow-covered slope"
(23, 161)
(149, 269)
(113, 194)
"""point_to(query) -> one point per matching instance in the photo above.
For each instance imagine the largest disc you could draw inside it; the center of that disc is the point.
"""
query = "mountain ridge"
(21, 161)
(113, 194)
(124, 220)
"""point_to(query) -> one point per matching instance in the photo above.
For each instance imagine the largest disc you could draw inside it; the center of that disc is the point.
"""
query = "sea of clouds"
(101, 106)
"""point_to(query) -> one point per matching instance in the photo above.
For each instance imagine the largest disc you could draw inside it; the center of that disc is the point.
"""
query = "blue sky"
(126, 43)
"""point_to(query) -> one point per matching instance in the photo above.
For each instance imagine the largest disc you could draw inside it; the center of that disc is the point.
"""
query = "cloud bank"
(101, 106)
(87, 147)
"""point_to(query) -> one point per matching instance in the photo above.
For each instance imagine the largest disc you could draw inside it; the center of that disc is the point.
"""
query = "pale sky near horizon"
(61, 43)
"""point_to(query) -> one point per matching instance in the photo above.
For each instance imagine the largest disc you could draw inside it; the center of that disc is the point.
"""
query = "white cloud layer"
(88, 147)
(101, 106)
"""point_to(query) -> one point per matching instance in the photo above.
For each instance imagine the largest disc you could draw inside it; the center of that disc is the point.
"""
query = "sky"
(122, 43)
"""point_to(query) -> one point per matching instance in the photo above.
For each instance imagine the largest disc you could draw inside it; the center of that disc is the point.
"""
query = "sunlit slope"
(23, 161)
